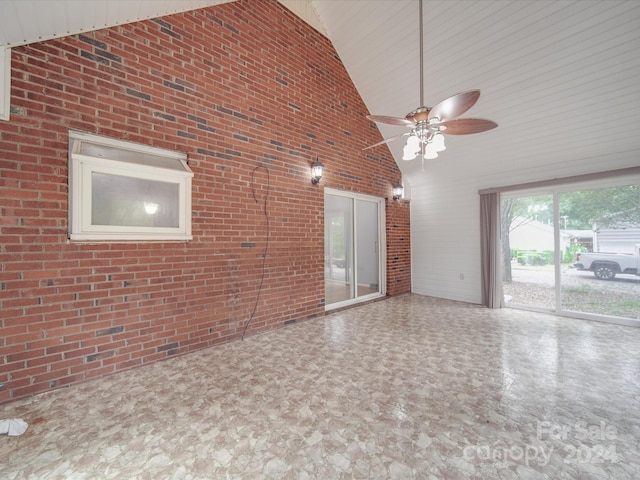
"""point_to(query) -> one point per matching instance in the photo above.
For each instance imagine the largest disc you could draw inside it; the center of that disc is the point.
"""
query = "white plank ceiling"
(561, 78)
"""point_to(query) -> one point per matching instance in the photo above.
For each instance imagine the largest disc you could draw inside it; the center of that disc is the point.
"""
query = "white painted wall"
(445, 235)
(445, 214)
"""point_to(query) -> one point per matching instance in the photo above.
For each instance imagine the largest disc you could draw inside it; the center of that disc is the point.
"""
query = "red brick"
(165, 292)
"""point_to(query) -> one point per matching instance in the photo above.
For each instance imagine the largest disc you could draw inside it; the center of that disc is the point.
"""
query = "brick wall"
(398, 247)
(235, 86)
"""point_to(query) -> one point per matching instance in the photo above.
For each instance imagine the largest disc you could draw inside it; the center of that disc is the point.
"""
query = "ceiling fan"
(429, 124)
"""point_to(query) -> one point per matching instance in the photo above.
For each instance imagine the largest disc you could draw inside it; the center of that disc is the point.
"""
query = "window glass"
(133, 202)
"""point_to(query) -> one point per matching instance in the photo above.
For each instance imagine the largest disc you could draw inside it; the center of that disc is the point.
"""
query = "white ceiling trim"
(29, 21)
(306, 11)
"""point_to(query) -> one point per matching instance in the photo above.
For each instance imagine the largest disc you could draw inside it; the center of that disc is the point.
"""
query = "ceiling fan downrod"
(421, 56)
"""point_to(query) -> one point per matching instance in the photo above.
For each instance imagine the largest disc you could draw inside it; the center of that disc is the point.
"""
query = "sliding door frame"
(555, 190)
(382, 247)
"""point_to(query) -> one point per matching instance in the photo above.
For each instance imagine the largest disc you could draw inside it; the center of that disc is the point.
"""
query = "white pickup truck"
(606, 265)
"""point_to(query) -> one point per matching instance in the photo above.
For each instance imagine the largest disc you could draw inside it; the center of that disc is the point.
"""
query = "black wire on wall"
(268, 234)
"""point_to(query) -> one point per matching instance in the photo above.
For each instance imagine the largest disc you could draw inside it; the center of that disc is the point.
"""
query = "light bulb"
(150, 208)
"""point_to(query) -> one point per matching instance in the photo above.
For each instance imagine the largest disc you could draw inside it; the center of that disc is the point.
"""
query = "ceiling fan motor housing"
(419, 114)
(424, 128)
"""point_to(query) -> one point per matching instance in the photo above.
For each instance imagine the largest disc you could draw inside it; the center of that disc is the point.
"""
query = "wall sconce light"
(398, 190)
(316, 172)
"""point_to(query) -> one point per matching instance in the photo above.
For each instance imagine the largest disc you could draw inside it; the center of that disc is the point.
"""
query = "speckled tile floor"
(409, 387)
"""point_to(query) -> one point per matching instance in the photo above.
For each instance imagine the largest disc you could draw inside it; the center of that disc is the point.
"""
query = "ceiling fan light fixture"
(412, 148)
(408, 153)
(430, 152)
(438, 142)
(413, 142)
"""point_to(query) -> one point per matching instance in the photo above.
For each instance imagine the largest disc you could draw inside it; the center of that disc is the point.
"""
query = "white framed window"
(120, 190)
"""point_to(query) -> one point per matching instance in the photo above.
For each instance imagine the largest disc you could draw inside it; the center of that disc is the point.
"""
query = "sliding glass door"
(528, 247)
(353, 248)
(338, 249)
(602, 225)
(574, 250)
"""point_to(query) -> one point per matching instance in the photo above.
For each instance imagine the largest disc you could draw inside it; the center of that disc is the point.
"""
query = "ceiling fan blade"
(455, 105)
(466, 126)
(390, 139)
(391, 120)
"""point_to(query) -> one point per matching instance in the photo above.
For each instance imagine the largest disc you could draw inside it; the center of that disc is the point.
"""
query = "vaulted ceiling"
(559, 77)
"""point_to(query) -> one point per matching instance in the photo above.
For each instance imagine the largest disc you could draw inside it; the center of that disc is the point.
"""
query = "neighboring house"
(526, 234)
(617, 233)
(616, 240)
(583, 238)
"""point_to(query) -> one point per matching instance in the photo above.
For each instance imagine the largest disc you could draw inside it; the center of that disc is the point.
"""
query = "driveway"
(570, 277)
(581, 291)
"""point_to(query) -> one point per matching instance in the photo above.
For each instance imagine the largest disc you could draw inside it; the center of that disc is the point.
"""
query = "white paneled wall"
(445, 236)
(445, 218)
